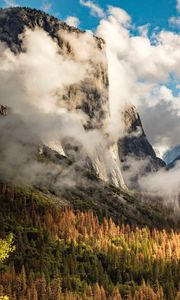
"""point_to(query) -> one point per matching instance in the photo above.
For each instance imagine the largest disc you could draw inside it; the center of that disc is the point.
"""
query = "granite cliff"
(89, 96)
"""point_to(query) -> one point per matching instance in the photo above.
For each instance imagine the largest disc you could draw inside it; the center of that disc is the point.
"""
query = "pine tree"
(116, 294)
(56, 289)
(23, 280)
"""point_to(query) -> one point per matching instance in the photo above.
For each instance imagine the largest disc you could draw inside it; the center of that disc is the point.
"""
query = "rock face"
(136, 153)
(135, 142)
(3, 110)
(89, 96)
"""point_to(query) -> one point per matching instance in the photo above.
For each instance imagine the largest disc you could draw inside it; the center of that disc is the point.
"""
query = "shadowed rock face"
(135, 142)
(3, 110)
(90, 95)
(135, 147)
(14, 20)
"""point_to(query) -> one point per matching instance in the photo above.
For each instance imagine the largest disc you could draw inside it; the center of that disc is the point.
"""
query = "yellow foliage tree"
(6, 247)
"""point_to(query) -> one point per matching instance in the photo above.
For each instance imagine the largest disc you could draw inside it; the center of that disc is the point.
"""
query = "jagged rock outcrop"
(3, 110)
(136, 153)
(135, 142)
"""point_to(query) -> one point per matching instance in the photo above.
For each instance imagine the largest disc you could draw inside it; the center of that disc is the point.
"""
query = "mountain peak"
(13, 20)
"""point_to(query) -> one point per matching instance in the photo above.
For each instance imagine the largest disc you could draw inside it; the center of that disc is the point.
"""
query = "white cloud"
(175, 21)
(178, 5)
(10, 3)
(143, 30)
(46, 6)
(72, 21)
(95, 9)
(120, 15)
(38, 114)
(160, 112)
(139, 71)
(164, 183)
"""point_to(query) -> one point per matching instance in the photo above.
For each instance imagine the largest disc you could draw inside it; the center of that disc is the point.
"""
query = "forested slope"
(62, 254)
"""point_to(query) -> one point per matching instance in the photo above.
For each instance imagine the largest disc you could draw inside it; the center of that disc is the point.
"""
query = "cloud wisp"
(95, 9)
(175, 22)
(178, 6)
(10, 3)
(46, 6)
(72, 21)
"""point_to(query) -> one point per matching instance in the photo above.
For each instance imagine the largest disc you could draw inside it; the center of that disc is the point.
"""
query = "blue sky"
(156, 13)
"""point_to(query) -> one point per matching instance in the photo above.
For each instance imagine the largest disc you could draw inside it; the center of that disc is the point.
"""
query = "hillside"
(59, 252)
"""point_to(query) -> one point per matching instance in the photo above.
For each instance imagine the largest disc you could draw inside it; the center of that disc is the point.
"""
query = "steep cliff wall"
(136, 154)
(89, 97)
(135, 142)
